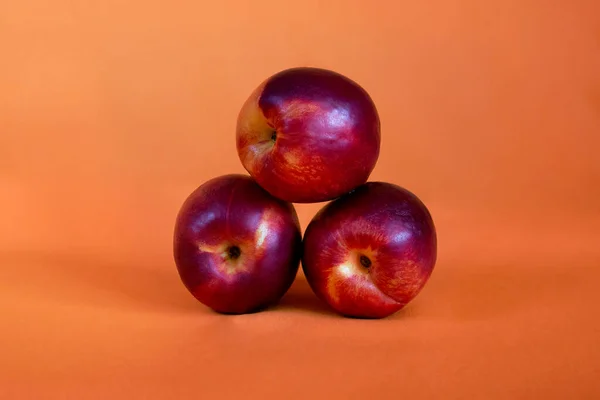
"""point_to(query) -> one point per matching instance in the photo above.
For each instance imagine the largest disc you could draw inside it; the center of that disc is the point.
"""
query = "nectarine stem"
(365, 262)
(234, 252)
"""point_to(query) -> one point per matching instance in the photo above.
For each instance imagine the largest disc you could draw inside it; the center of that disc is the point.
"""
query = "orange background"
(112, 112)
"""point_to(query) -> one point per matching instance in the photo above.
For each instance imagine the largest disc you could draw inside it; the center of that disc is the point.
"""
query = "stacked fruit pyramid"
(305, 135)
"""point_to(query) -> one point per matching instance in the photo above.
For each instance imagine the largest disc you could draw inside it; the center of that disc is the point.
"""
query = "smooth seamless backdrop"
(111, 113)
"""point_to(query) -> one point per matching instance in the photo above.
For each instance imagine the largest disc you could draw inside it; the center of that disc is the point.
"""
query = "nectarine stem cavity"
(365, 261)
(274, 136)
(233, 252)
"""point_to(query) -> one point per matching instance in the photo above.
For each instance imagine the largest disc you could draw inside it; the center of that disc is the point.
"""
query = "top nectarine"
(308, 135)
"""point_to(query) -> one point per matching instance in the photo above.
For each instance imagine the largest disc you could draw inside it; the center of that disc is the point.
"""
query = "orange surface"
(111, 113)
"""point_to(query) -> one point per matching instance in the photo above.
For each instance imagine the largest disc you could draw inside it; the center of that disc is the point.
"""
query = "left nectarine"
(236, 247)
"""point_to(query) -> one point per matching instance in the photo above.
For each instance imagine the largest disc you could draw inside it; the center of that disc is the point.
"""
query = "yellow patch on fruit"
(253, 132)
(232, 268)
(251, 121)
(209, 248)
(332, 291)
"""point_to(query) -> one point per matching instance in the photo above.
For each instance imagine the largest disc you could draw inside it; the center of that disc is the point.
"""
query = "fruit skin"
(229, 211)
(386, 224)
(308, 135)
